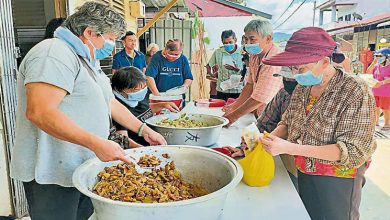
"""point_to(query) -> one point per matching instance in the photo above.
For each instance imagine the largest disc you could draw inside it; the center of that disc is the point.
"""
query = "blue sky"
(302, 18)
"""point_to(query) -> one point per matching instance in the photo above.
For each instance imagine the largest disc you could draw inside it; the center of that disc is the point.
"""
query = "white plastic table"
(279, 200)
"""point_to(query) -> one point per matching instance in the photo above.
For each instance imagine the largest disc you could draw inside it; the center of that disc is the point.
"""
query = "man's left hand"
(153, 138)
(231, 67)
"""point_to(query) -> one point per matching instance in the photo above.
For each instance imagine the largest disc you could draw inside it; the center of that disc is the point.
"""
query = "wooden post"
(156, 17)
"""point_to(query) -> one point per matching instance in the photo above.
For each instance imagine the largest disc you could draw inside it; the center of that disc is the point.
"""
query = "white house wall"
(346, 10)
(366, 8)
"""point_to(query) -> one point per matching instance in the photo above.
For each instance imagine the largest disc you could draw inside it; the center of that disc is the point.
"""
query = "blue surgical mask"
(253, 49)
(103, 52)
(229, 47)
(106, 51)
(308, 79)
(134, 98)
(381, 60)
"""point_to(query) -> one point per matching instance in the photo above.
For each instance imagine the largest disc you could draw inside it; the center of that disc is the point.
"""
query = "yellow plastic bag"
(258, 164)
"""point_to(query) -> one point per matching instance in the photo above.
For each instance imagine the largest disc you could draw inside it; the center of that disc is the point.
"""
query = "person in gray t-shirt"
(63, 115)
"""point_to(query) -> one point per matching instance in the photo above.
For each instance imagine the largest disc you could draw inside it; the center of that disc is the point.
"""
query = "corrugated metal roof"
(244, 8)
(222, 8)
(162, 3)
(212, 8)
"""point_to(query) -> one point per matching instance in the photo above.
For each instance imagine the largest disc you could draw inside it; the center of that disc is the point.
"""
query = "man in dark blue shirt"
(168, 68)
(129, 56)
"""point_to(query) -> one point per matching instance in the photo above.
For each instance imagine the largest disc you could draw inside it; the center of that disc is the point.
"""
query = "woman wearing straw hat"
(328, 127)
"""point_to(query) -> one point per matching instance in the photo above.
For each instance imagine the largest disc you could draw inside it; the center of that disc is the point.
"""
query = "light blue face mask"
(134, 98)
(253, 49)
(105, 51)
(229, 47)
(308, 79)
(381, 60)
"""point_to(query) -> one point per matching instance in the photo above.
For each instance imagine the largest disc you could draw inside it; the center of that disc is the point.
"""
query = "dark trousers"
(331, 198)
(226, 96)
(49, 201)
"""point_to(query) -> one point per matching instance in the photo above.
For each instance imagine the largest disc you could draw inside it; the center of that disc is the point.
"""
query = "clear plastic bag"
(227, 60)
(179, 90)
(233, 82)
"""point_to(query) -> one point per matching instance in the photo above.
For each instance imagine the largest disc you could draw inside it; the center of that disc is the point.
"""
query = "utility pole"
(314, 11)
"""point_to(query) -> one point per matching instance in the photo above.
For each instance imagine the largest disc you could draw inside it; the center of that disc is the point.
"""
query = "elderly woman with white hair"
(150, 51)
(65, 105)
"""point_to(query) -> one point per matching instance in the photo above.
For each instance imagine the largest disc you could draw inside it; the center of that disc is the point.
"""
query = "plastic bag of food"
(179, 90)
(231, 83)
(227, 60)
(251, 136)
(258, 165)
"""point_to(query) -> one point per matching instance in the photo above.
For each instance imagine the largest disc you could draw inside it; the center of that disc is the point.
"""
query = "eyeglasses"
(298, 69)
(110, 38)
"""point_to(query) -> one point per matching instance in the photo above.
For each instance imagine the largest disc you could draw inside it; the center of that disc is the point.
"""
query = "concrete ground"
(375, 203)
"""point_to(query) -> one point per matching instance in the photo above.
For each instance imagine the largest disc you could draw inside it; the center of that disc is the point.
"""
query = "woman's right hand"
(107, 150)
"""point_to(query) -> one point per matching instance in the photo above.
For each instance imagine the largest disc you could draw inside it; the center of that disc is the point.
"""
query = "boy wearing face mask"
(168, 69)
(129, 87)
(228, 52)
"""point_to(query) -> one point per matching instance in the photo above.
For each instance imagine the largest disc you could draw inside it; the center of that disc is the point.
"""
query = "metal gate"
(8, 53)
(163, 30)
